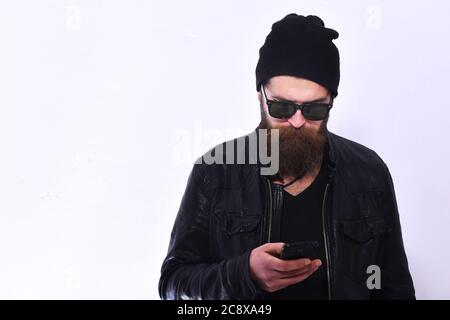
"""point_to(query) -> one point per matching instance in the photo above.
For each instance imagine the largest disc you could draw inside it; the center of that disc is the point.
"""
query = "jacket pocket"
(236, 232)
(360, 244)
(236, 222)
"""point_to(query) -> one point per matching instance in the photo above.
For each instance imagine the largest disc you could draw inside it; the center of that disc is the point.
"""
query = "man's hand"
(272, 273)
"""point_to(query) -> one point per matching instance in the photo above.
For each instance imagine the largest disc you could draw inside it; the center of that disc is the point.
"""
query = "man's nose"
(297, 120)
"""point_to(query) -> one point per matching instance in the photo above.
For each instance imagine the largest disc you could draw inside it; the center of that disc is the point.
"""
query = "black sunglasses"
(310, 110)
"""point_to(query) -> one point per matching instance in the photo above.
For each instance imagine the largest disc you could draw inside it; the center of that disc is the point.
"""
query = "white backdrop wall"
(105, 105)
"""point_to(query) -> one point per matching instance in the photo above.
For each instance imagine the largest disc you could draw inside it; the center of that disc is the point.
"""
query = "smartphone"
(297, 250)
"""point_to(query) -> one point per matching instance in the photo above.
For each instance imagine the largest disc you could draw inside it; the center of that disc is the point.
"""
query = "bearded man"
(332, 199)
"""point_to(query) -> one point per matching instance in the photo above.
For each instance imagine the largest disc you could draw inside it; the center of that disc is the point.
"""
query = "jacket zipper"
(270, 211)
(325, 237)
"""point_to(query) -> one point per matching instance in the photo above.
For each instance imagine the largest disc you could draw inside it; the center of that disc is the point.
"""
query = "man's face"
(301, 141)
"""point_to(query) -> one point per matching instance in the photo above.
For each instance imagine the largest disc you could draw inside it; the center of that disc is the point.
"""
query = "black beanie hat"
(302, 47)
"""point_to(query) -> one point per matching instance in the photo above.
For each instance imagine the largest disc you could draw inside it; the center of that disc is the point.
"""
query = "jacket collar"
(331, 150)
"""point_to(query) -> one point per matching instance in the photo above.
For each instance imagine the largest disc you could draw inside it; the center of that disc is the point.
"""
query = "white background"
(105, 105)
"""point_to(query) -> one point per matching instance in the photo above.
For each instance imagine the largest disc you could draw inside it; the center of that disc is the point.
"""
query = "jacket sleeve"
(396, 281)
(188, 271)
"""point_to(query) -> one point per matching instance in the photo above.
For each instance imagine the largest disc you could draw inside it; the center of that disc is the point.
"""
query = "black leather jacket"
(227, 210)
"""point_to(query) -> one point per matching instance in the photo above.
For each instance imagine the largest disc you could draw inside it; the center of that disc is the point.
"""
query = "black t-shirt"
(302, 221)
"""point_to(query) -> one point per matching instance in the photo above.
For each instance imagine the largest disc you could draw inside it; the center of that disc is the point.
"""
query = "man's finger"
(294, 273)
(290, 265)
(284, 282)
(315, 264)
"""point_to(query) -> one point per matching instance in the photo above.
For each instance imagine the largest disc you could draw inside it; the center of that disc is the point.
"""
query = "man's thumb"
(274, 248)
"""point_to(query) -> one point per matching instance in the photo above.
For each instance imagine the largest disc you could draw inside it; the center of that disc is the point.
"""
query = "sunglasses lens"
(317, 111)
(281, 110)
